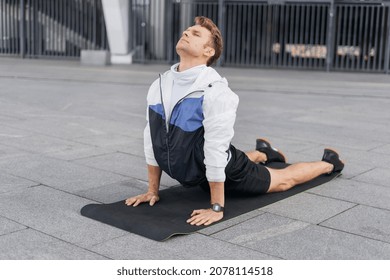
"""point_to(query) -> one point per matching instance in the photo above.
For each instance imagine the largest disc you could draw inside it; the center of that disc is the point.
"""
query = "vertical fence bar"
(1, 27)
(330, 37)
(354, 32)
(221, 25)
(382, 38)
(7, 29)
(12, 15)
(376, 35)
(22, 29)
(387, 45)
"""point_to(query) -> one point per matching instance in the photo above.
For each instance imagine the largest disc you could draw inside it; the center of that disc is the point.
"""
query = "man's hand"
(204, 217)
(150, 197)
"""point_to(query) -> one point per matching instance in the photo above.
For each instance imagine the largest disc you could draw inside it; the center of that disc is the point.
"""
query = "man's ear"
(209, 51)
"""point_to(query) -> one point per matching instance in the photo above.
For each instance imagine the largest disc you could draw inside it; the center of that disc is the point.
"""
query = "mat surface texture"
(168, 217)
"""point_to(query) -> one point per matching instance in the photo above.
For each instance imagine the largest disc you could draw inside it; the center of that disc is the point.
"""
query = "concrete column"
(116, 14)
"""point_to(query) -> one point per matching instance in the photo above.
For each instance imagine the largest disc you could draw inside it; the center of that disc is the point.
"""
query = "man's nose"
(185, 33)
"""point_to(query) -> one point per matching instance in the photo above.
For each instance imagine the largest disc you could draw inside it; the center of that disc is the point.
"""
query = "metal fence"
(51, 28)
(327, 35)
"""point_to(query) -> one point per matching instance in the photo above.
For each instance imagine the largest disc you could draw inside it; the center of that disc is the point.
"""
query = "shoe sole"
(280, 152)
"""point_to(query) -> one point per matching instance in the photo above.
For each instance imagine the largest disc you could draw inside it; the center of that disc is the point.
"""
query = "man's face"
(195, 42)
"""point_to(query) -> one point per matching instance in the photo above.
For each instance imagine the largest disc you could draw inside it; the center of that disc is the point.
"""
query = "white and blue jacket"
(192, 143)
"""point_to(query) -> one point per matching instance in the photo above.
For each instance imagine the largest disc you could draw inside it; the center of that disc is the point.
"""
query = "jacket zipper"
(169, 121)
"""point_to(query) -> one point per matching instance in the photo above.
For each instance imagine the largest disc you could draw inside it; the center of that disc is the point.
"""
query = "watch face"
(216, 207)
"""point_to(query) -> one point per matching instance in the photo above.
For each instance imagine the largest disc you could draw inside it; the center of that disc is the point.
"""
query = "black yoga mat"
(168, 217)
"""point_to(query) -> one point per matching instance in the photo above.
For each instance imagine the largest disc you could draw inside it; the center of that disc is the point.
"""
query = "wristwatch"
(216, 207)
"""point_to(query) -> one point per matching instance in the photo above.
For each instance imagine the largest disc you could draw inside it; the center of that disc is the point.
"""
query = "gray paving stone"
(124, 164)
(308, 208)
(356, 161)
(115, 192)
(194, 246)
(106, 140)
(79, 153)
(377, 176)
(9, 183)
(42, 144)
(33, 245)
(7, 152)
(290, 239)
(385, 149)
(57, 126)
(231, 222)
(365, 221)
(55, 213)
(356, 192)
(7, 226)
(10, 134)
(59, 174)
(102, 110)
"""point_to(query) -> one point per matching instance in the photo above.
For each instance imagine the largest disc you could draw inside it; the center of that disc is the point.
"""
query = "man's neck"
(185, 65)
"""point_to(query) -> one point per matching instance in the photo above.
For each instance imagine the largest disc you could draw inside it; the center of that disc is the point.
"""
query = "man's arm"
(151, 196)
(209, 216)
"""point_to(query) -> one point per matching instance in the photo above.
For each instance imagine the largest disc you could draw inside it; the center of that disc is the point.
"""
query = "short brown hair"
(216, 37)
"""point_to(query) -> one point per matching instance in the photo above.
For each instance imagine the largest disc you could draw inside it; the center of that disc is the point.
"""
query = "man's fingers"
(204, 217)
(153, 201)
(196, 212)
(137, 202)
(130, 201)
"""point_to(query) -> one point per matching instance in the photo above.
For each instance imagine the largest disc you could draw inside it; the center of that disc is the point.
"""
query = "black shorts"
(243, 176)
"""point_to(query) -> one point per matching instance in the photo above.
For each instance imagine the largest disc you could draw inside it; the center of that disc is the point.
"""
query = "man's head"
(203, 40)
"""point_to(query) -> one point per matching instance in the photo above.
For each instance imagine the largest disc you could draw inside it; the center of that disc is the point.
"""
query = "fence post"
(387, 44)
(221, 26)
(330, 36)
(22, 35)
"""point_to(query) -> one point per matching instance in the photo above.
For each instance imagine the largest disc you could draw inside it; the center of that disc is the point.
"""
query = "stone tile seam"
(35, 132)
(86, 190)
(102, 169)
(242, 246)
(24, 178)
(364, 172)
(69, 193)
(69, 243)
(378, 147)
(238, 223)
(114, 238)
(381, 185)
(353, 202)
(93, 156)
(352, 233)
(15, 231)
(16, 222)
(340, 213)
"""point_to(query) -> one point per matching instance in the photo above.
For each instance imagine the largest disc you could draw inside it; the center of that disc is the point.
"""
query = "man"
(191, 113)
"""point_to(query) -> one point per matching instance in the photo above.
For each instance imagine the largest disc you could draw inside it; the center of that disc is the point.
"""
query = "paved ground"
(71, 135)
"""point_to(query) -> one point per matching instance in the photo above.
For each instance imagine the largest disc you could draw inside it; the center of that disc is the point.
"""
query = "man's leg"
(256, 156)
(295, 174)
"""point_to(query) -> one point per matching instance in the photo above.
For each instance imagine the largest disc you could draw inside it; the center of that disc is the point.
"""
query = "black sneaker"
(273, 155)
(332, 157)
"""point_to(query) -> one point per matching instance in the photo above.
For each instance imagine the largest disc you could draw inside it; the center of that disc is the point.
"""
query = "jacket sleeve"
(148, 146)
(219, 109)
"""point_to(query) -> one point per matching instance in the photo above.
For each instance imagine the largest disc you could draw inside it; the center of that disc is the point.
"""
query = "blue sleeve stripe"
(158, 108)
(188, 115)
